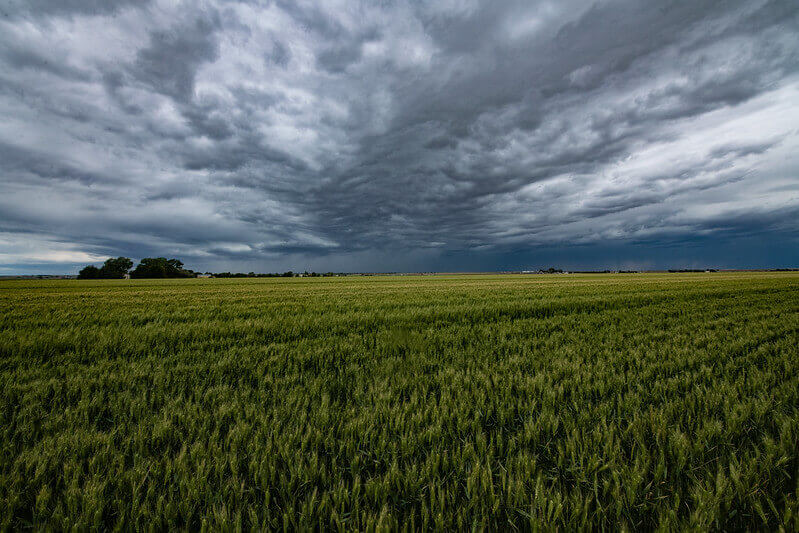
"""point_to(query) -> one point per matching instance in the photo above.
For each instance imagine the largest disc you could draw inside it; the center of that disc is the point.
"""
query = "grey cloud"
(742, 150)
(36, 8)
(239, 133)
(280, 54)
(338, 58)
(169, 62)
(20, 58)
(24, 166)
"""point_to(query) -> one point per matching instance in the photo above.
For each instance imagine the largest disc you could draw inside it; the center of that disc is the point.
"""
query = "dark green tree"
(89, 272)
(160, 267)
(116, 268)
(177, 264)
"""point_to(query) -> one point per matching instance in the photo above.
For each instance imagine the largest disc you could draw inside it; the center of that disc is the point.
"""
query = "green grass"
(501, 402)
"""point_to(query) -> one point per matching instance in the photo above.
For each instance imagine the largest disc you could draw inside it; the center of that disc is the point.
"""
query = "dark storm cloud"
(169, 62)
(396, 135)
(279, 54)
(15, 8)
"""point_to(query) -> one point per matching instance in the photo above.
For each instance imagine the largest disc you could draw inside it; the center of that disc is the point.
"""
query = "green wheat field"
(555, 402)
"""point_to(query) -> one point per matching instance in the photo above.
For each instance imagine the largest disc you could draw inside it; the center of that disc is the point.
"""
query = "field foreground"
(502, 402)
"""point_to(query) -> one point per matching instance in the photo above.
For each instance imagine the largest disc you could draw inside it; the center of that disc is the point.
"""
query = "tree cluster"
(161, 267)
(111, 269)
(149, 267)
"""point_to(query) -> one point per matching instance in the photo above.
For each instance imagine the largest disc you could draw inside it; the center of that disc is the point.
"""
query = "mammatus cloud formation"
(399, 135)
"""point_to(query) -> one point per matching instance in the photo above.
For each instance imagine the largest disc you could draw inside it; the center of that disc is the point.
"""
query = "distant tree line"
(161, 267)
(288, 274)
(684, 270)
(149, 267)
(606, 271)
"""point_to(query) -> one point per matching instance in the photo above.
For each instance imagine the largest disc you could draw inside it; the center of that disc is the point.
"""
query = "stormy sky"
(399, 136)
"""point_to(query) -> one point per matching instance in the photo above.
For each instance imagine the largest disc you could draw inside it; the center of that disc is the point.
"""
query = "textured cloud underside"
(389, 135)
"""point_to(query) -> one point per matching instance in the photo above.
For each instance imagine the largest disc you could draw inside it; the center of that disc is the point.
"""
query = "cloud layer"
(455, 135)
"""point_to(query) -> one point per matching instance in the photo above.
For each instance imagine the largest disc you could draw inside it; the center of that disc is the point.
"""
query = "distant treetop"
(161, 267)
(111, 269)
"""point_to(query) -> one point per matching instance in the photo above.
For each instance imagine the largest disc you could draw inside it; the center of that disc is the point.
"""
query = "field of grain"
(446, 402)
